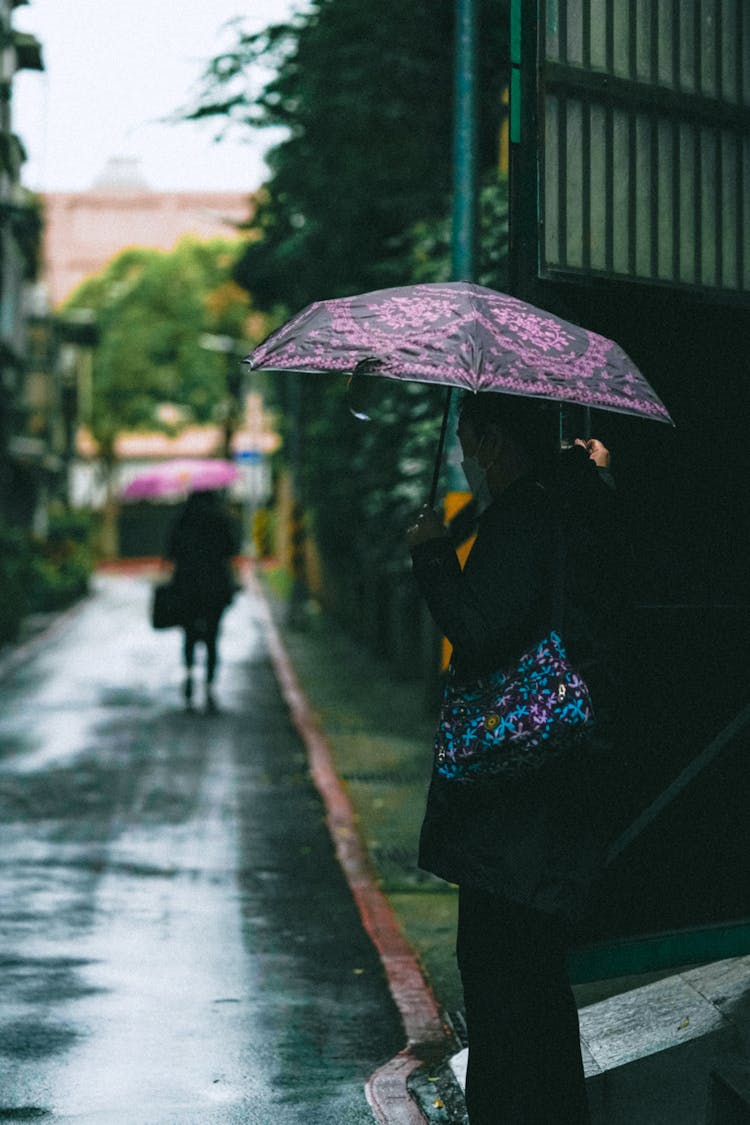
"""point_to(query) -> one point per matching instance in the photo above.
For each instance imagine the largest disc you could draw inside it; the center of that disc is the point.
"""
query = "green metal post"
(464, 224)
(464, 232)
(524, 151)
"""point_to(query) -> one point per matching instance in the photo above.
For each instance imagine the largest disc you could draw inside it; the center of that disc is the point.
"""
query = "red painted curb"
(386, 1089)
(143, 564)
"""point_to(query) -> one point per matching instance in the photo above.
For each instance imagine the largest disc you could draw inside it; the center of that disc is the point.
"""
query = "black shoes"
(211, 706)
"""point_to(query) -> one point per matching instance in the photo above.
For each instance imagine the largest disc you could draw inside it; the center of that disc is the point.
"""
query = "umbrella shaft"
(441, 446)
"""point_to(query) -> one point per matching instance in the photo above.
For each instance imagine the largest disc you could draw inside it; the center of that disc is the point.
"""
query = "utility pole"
(297, 617)
(464, 227)
(232, 407)
(463, 239)
(464, 218)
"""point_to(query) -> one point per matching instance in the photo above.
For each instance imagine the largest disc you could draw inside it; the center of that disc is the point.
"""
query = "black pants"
(525, 1064)
(206, 629)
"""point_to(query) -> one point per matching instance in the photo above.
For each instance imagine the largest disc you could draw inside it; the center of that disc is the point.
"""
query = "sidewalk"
(650, 1044)
(380, 736)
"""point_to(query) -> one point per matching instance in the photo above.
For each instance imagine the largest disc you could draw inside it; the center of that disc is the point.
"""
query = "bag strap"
(557, 614)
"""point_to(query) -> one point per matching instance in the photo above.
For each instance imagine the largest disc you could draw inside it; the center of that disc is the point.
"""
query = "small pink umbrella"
(174, 478)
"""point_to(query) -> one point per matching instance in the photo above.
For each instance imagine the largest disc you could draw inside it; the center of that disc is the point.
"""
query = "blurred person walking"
(201, 545)
(524, 848)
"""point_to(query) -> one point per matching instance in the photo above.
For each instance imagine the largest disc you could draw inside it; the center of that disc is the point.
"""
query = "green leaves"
(152, 309)
(359, 198)
(366, 94)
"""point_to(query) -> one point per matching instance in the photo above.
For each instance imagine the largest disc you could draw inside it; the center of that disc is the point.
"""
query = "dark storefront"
(631, 215)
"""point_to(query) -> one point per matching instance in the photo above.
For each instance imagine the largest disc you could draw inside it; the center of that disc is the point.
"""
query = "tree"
(358, 476)
(151, 308)
(365, 91)
(426, 246)
(359, 198)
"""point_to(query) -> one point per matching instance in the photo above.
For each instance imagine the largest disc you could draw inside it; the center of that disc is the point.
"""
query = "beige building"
(83, 230)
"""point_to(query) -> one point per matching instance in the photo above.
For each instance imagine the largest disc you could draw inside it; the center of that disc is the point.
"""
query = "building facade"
(84, 230)
(28, 399)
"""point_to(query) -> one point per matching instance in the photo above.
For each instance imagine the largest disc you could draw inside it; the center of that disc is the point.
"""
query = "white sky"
(112, 69)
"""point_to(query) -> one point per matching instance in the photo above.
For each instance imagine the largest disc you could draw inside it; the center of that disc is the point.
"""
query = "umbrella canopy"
(461, 335)
(174, 478)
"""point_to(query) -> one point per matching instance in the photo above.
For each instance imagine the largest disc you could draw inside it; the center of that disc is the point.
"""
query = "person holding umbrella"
(201, 545)
(524, 849)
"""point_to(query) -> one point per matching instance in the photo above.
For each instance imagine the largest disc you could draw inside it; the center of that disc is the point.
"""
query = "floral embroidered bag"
(514, 721)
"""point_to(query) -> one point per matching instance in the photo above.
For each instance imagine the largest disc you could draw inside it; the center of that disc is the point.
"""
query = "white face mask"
(476, 477)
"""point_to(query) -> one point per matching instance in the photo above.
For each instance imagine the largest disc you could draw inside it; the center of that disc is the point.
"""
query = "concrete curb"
(439, 1094)
(18, 654)
(426, 1032)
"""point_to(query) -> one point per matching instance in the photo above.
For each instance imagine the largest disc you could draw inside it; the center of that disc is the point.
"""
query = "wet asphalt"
(178, 945)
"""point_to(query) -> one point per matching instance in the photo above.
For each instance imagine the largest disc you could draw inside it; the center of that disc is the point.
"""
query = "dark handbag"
(517, 720)
(166, 606)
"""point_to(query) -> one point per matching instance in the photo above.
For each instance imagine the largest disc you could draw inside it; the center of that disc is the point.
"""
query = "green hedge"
(15, 572)
(42, 575)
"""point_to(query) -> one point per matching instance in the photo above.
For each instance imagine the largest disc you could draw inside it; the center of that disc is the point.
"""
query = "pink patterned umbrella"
(461, 335)
(174, 478)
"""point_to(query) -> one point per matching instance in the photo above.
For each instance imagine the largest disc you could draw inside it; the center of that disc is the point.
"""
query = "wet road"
(177, 943)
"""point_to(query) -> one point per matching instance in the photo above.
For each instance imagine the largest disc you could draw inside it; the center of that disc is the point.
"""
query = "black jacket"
(536, 840)
(201, 544)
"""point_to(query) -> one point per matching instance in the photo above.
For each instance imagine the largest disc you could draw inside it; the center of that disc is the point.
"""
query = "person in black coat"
(201, 545)
(524, 851)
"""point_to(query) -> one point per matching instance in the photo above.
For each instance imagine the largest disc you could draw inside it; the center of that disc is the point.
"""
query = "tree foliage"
(358, 198)
(365, 480)
(152, 308)
(365, 92)
(426, 246)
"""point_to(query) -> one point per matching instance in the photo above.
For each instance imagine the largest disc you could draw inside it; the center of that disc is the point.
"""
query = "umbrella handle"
(441, 446)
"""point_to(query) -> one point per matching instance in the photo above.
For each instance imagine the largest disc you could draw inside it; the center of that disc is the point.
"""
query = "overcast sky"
(112, 69)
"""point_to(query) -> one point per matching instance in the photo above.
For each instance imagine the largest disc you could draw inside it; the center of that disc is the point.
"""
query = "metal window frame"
(633, 103)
